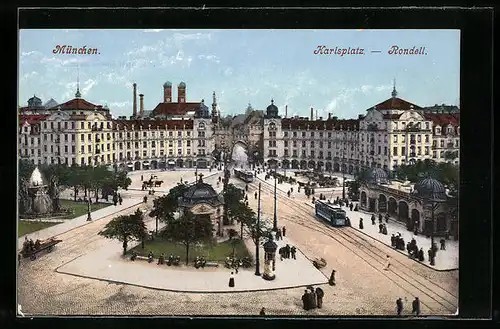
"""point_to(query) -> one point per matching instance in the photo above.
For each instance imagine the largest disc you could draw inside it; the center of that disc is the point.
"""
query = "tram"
(246, 176)
(335, 216)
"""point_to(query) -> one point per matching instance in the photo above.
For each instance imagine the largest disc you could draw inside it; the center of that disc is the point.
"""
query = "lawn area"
(25, 227)
(217, 252)
(80, 208)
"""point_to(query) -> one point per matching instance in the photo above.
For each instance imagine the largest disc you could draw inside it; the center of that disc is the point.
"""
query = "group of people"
(117, 198)
(415, 306)
(413, 250)
(280, 233)
(312, 298)
(397, 241)
(287, 252)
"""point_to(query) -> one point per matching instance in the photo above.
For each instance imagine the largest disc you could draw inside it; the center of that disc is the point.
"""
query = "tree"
(189, 229)
(232, 197)
(450, 155)
(353, 189)
(165, 206)
(258, 229)
(232, 234)
(242, 213)
(126, 228)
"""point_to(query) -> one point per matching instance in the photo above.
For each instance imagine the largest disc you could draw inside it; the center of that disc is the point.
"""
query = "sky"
(242, 67)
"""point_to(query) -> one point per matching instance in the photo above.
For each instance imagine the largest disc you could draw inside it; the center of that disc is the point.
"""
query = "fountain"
(239, 156)
(39, 198)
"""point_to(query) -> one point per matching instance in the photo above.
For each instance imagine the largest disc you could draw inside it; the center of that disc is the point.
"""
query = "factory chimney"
(141, 110)
(134, 108)
(312, 114)
(286, 111)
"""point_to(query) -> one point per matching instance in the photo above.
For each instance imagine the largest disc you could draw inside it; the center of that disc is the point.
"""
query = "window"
(294, 143)
(294, 134)
(395, 151)
(419, 138)
(427, 138)
(179, 143)
(427, 150)
(438, 131)
(456, 142)
(170, 134)
(144, 134)
(329, 135)
(83, 150)
(312, 154)
(294, 153)
(312, 133)
(403, 150)
(73, 149)
(441, 144)
(303, 143)
(285, 134)
(144, 153)
(419, 151)
(329, 145)
(303, 134)
(286, 143)
(379, 149)
(89, 148)
(65, 148)
(312, 143)
(321, 144)
(395, 138)
(385, 150)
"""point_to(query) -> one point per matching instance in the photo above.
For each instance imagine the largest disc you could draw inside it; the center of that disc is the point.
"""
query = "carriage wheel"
(49, 249)
(33, 257)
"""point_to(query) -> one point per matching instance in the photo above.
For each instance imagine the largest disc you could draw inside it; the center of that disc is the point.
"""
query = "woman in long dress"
(387, 263)
(231, 280)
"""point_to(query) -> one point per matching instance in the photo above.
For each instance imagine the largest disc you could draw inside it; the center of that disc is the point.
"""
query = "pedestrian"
(284, 231)
(231, 280)
(373, 220)
(442, 242)
(361, 223)
(319, 295)
(19, 259)
(288, 193)
(306, 301)
(421, 255)
(384, 229)
(399, 306)
(387, 218)
(121, 200)
(331, 281)
(145, 199)
(380, 217)
(293, 250)
(255, 195)
(287, 251)
(277, 234)
(351, 206)
(262, 311)
(380, 226)
(281, 251)
(415, 306)
(312, 297)
(142, 178)
(387, 263)
(393, 241)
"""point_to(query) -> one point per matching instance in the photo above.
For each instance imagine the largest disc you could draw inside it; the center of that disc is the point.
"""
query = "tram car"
(335, 216)
(246, 176)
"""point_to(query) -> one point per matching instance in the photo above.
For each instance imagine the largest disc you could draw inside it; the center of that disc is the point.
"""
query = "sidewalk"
(107, 264)
(446, 260)
(78, 221)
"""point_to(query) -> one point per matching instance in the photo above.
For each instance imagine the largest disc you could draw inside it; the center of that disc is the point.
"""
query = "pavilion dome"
(430, 188)
(182, 85)
(378, 175)
(167, 84)
(272, 110)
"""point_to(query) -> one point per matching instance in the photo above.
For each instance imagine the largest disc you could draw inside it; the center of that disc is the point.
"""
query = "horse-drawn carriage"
(319, 263)
(152, 183)
(31, 249)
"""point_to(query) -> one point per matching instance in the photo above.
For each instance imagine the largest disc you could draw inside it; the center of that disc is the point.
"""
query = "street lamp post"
(89, 216)
(275, 221)
(343, 176)
(257, 244)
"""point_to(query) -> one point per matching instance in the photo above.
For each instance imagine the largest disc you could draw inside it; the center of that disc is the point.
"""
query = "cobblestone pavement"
(362, 288)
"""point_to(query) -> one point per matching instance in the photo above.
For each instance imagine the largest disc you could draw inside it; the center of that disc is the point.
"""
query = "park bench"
(141, 258)
(212, 264)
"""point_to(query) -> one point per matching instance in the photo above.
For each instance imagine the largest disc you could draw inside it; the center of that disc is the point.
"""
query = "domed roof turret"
(430, 188)
(272, 110)
(200, 193)
(182, 84)
(378, 175)
(34, 102)
(167, 84)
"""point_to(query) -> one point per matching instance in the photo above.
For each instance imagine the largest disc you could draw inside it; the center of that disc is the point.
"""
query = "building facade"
(187, 134)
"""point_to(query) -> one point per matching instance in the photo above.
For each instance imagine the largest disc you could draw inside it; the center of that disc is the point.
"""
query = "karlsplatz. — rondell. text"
(324, 50)
(65, 49)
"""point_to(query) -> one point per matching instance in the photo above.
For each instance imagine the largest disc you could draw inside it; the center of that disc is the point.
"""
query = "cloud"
(212, 58)
(152, 30)
(114, 106)
(29, 75)
(88, 85)
(228, 71)
(181, 37)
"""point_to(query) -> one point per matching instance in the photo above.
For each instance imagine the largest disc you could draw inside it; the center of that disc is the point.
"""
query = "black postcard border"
(476, 27)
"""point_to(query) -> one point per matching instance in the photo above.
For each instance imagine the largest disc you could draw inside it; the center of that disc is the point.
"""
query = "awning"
(146, 163)
(171, 162)
(130, 165)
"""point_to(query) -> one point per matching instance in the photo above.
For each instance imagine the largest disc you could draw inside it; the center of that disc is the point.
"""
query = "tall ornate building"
(185, 134)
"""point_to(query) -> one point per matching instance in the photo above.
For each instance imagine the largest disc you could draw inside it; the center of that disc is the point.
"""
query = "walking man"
(287, 251)
(373, 220)
(361, 223)
(387, 263)
(442, 242)
(284, 231)
(305, 300)
(312, 297)
(416, 306)
(231, 280)
(399, 306)
(255, 195)
(319, 295)
(351, 206)
(331, 281)
(293, 250)
(120, 200)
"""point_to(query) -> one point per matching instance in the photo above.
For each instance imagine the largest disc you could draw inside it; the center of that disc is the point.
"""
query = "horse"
(158, 183)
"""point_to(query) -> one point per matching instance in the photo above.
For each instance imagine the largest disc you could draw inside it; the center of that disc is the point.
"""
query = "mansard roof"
(175, 108)
(329, 124)
(153, 124)
(77, 104)
(396, 103)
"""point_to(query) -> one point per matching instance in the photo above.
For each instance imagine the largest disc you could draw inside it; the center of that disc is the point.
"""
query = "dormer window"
(450, 130)
(272, 126)
(438, 131)
(201, 126)
(427, 125)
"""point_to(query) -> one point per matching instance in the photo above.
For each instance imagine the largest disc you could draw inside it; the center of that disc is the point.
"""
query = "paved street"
(363, 288)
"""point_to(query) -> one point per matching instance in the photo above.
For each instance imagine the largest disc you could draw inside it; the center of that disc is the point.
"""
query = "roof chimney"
(141, 110)
(312, 114)
(134, 108)
(329, 115)
(286, 111)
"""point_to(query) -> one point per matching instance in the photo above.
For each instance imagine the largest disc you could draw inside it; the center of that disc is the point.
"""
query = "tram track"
(400, 273)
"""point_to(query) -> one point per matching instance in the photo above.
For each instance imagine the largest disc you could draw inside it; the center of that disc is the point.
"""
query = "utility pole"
(257, 244)
(275, 222)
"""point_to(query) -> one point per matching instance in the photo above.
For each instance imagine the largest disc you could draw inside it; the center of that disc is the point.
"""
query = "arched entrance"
(382, 203)
(329, 166)
(403, 211)
(137, 165)
(285, 164)
(415, 220)
(201, 163)
(153, 164)
(295, 164)
(336, 167)
(351, 169)
(363, 199)
(320, 165)
(180, 163)
(392, 207)
(303, 164)
(311, 164)
(239, 153)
